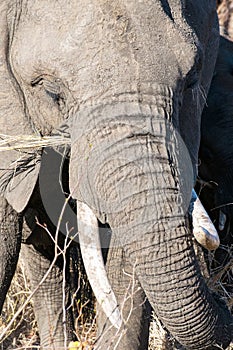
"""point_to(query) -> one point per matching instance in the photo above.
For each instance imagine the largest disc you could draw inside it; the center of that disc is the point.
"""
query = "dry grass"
(23, 142)
(160, 339)
(24, 335)
(225, 16)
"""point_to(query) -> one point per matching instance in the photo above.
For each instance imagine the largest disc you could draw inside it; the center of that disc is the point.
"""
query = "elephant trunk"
(168, 271)
(132, 176)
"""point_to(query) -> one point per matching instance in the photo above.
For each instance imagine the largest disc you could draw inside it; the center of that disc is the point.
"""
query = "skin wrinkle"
(159, 104)
(149, 155)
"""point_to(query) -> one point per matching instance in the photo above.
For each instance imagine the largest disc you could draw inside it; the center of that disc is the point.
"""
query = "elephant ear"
(18, 181)
(17, 176)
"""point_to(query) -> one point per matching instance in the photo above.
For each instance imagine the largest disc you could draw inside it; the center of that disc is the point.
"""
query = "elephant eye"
(50, 84)
(52, 88)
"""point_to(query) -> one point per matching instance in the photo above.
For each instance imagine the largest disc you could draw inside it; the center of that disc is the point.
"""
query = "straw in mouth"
(23, 142)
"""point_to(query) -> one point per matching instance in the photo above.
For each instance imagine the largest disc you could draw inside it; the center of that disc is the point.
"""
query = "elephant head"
(127, 79)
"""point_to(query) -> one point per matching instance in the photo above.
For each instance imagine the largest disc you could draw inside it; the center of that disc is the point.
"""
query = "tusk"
(203, 228)
(222, 221)
(94, 264)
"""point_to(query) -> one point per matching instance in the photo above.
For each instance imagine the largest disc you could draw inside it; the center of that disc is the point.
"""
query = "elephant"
(122, 84)
(215, 169)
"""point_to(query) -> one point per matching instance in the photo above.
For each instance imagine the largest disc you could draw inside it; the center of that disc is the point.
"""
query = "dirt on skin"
(225, 15)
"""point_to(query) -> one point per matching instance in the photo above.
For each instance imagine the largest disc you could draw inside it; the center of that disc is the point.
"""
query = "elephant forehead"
(96, 42)
(46, 35)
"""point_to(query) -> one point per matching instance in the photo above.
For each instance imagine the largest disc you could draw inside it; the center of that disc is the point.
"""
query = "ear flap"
(16, 185)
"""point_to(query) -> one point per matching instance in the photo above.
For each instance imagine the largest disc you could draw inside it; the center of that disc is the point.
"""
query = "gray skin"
(216, 167)
(119, 76)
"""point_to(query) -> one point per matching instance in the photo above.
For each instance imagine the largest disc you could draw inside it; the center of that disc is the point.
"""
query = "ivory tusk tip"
(116, 319)
(203, 229)
(111, 309)
(208, 240)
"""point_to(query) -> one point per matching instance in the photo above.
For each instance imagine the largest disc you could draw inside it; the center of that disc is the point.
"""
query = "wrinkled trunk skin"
(141, 186)
(10, 238)
(136, 309)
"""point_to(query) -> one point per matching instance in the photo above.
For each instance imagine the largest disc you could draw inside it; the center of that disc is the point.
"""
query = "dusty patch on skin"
(225, 16)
